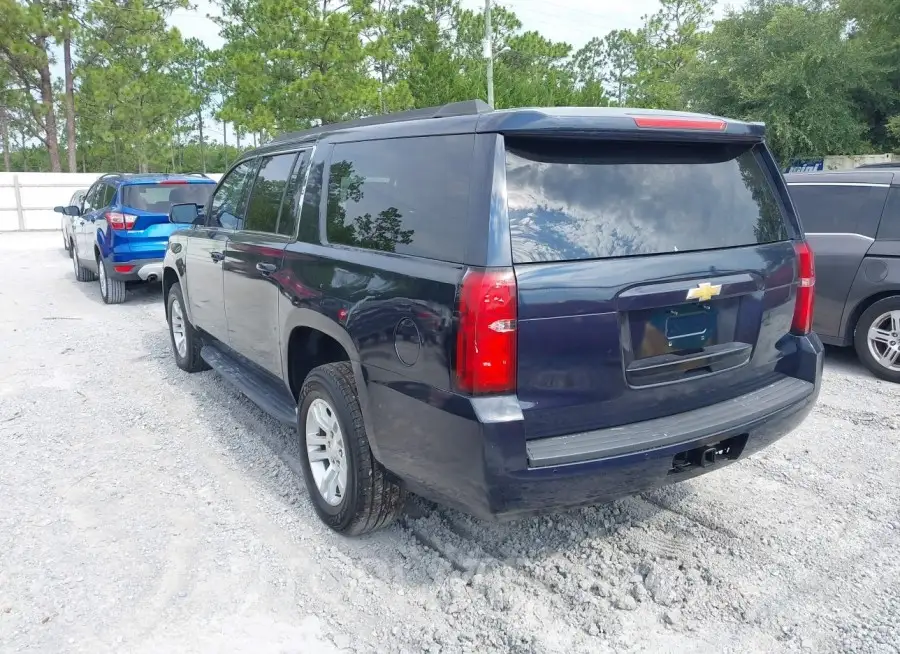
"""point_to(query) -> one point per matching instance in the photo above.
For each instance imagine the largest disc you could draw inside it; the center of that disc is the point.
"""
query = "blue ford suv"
(120, 230)
(506, 311)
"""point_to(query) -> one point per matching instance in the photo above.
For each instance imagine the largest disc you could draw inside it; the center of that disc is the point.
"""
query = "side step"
(267, 393)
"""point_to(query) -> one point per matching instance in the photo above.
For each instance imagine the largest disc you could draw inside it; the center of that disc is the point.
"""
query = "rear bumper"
(472, 453)
(141, 270)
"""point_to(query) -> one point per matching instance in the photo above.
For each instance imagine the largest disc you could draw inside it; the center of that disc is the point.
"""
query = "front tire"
(350, 490)
(186, 341)
(82, 274)
(111, 290)
(877, 339)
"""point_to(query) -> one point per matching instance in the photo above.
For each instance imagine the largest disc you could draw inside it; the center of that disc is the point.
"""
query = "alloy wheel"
(884, 340)
(326, 451)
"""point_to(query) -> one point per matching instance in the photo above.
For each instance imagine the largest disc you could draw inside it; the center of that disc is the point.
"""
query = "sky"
(573, 21)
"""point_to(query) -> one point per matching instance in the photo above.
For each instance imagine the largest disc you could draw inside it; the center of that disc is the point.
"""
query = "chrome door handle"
(266, 268)
(217, 256)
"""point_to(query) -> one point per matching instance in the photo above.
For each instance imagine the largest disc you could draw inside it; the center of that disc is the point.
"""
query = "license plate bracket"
(687, 328)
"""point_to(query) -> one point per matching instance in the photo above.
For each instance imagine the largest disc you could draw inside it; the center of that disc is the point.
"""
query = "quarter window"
(890, 220)
(402, 195)
(833, 209)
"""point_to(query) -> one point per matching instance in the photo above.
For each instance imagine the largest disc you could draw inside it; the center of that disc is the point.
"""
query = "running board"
(267, 393)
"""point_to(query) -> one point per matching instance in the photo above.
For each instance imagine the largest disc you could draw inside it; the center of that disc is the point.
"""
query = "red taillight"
(486, 336)
(119, 220)
(675, 122)
(806, 286)
(123, 269)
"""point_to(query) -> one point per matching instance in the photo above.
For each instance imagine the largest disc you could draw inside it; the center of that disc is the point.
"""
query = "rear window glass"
(619, 199)
(159, 198)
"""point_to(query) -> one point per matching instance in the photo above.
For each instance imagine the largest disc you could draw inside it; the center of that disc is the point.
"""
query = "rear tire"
(186, 341)
(369, 500)
(111, 290)
(82, 274)
(878, 333)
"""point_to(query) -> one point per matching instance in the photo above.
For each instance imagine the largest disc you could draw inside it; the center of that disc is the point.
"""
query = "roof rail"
(464, 108)
(105, 175)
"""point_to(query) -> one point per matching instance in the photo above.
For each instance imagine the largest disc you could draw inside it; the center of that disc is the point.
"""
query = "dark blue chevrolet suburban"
(506, 311)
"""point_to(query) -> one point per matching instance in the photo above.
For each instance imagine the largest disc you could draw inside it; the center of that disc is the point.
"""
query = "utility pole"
(488, 52)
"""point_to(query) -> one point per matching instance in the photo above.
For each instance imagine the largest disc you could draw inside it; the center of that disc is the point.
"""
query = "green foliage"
(668, 42)
(788, 65)
(876, 38)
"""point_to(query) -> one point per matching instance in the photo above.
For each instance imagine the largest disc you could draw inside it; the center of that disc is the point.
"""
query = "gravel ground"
(143, 510)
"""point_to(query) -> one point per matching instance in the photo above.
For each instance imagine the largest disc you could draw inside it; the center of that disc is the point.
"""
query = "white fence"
(27, 199)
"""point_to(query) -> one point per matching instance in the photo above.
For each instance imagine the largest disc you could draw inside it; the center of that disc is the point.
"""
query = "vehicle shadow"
(844, 361)
(136, 294)
(463, 542)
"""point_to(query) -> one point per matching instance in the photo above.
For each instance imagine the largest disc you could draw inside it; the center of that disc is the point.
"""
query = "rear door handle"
(266, 268)
(217, 256)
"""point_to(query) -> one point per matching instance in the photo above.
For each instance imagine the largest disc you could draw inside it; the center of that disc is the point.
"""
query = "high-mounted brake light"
(486, 336)
(172, 182)
(118, 220)
(806, 287)
(674, 122)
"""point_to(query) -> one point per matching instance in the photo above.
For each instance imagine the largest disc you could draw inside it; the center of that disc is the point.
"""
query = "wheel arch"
(860, 308)
(304, 328)
(878, 278)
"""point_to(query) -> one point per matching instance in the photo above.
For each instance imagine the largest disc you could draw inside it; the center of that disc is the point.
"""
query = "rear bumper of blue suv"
(473, 454)
(137, 255)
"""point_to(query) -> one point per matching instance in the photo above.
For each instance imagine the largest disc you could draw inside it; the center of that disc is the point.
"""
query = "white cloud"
(196, 23)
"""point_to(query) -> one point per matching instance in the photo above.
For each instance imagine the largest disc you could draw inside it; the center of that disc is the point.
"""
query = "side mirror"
(184, 214)
(71, 210)
(61, 210)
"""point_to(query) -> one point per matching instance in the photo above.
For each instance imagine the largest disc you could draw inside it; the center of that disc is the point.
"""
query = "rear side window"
(838, 209)
(159, 198)
(402, 195)
(616, 199)
(268, 190)
(890, 220)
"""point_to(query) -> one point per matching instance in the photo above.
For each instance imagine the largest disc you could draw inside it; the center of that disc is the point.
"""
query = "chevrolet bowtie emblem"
(704, 292)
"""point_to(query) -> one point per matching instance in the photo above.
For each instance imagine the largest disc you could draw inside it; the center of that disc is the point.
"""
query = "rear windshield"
(617, 199)
(159, 198)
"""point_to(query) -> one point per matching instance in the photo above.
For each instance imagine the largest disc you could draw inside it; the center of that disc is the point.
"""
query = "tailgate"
(652, 279)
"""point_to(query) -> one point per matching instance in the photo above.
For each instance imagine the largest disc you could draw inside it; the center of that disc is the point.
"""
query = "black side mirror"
(61, 210)
(184, 214)
(71, 210)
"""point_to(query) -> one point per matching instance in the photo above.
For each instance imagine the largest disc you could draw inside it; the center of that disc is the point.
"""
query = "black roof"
(476, 116)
